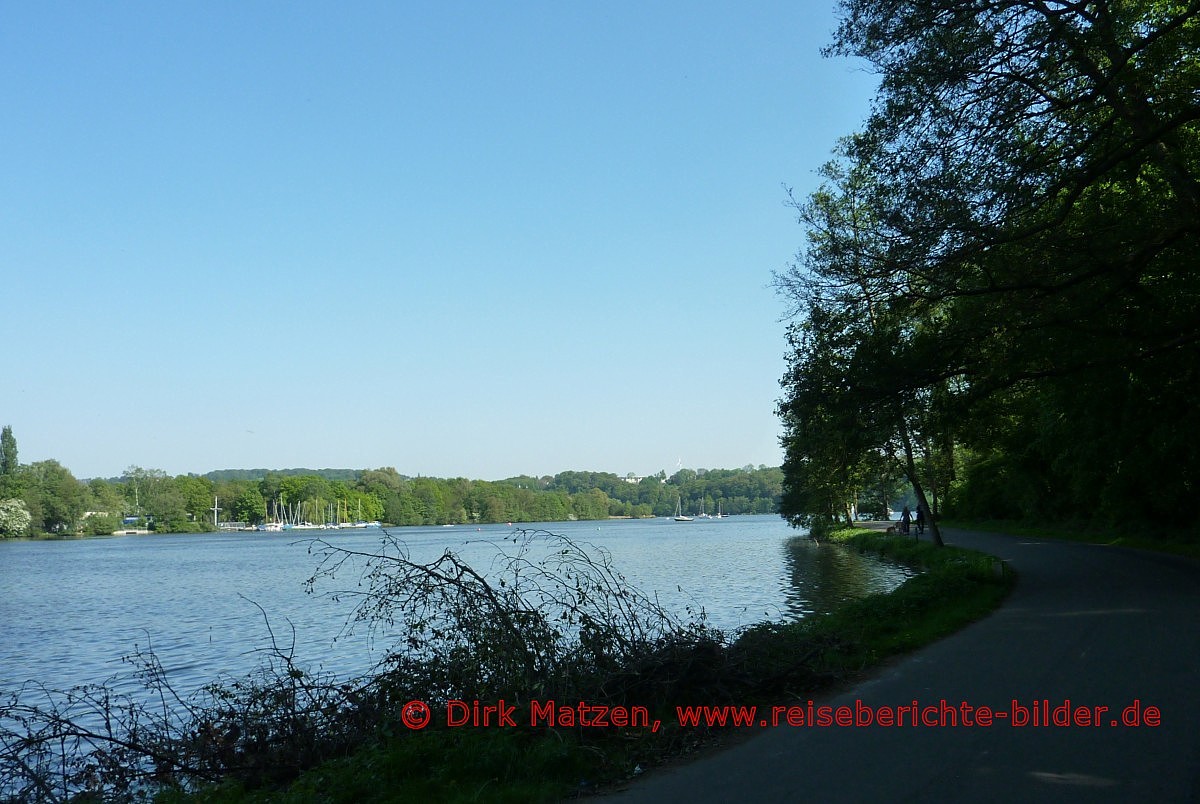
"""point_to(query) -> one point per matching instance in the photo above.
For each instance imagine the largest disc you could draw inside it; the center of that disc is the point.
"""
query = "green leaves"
(1003, 259)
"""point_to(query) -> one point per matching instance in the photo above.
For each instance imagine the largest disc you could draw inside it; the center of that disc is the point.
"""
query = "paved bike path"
(1098, 626)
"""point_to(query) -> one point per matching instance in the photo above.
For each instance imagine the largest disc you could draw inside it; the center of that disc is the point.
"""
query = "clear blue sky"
(460, 239)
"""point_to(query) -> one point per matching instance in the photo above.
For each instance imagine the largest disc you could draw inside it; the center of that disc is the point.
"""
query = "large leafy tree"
(197, 494)
(56, 496)
(1036, 163)
(248, 505)
(858, 404)
(1021, 216)
(155, 496)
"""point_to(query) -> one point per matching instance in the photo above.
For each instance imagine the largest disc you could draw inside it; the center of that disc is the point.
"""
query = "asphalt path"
(1093, 625)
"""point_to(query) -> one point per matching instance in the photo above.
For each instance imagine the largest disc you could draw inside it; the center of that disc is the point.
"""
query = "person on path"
(905, 518)
(920, 519)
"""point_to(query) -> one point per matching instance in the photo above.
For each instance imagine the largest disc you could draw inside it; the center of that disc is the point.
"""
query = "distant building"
(635, 479)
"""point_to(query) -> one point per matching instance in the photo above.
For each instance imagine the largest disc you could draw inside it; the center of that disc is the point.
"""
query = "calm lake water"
(70, 610)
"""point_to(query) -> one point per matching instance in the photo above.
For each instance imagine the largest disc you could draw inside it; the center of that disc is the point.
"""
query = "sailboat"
(272, 526)
(679, 517)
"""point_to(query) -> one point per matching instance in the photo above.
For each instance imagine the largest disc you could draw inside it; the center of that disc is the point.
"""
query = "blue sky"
(460, 239)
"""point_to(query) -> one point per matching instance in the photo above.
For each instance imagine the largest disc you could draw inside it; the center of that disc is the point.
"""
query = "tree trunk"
(910, 470)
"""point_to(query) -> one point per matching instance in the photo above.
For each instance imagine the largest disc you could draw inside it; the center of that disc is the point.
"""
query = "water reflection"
(822, 576)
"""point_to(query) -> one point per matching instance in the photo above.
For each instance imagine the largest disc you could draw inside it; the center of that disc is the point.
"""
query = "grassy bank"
(766, 664)
(956, 587)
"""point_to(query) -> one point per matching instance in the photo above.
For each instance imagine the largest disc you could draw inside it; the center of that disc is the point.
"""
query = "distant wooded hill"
(45, 497)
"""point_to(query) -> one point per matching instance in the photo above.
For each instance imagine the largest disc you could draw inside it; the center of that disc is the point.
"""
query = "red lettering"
(1130, 715)
(600, 718)
(458, 713)
(944, 714)
(541, 711)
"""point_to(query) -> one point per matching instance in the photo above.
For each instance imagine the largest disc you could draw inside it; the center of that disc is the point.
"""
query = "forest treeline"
(999, 298)
(45, 498)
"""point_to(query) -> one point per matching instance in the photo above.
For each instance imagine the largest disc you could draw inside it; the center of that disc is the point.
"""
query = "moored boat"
(679, 515)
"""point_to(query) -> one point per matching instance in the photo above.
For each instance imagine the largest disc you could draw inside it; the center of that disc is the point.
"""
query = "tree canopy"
(45, 497)
(999, 291)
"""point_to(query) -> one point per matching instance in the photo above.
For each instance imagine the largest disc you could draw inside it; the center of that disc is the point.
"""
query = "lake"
(208, 604)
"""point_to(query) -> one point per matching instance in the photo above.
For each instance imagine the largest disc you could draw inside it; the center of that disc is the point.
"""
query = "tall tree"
(8, 452)
(854, 392)
(1036, 163)
(1023, 205)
